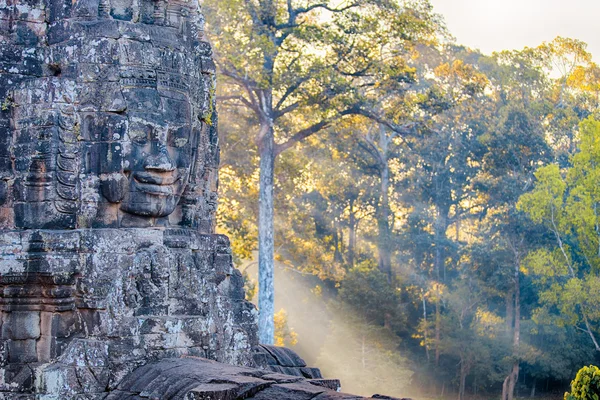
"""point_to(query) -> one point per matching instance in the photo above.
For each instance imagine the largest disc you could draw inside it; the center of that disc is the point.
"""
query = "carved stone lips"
(158, 184)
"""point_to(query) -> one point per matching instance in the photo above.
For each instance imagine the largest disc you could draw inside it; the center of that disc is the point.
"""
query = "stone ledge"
(194, 378)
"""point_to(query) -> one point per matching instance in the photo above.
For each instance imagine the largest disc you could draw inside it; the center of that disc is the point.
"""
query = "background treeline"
(445, 202)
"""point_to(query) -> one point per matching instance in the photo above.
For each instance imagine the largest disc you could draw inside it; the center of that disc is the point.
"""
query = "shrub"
(586, 385)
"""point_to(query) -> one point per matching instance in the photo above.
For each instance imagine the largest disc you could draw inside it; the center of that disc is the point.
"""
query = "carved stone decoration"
(107, 115)
(108, 177)
(138, 294)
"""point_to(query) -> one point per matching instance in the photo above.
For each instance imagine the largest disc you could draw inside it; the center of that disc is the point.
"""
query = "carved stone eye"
(180, 142)
(178, 137)
(139, 137)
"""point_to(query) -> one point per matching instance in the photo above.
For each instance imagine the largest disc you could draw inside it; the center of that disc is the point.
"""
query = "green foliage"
(566, 202)
(367, 290)
(586, 385)
(7, 103)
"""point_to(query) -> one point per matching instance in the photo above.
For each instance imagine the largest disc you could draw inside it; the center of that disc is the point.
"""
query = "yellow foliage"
(488, 323)
(284, 334)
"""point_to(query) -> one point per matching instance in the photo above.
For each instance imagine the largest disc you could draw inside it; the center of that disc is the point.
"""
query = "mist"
(331, 337)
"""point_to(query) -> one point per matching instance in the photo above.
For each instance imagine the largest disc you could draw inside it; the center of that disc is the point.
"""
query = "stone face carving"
(108, 179)
(107, 115)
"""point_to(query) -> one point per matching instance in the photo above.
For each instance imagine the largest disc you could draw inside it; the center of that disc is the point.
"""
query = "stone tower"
(108, 179)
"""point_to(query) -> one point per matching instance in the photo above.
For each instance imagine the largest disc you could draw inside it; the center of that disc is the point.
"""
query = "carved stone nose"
(159, 160)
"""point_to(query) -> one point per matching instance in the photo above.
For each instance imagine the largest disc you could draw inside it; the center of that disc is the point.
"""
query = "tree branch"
(289, 91)
(244, 100)
(301, 135)
(293, 13)
(248, 85)
(399, 130)
(279, 113)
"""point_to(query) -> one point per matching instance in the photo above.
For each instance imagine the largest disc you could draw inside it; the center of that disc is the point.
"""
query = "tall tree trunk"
(441, 226)
(338, 242)
(383, 220)
(464, 371)
(457, 227)
(384, 242)
(425, 330)
(266, 286)
(363, 353)
(437, 327)
(510, 309)
(351, 235)
(508, 388)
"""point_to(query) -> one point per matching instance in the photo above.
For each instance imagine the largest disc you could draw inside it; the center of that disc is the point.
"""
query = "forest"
(441, 204)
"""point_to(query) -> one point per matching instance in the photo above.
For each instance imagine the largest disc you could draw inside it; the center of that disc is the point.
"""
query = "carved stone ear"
(113, 186)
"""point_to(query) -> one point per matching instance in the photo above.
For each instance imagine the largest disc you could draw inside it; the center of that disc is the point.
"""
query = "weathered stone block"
(337, 396)
(87, 353)
(93, 379)
(22, 351)
(290, 391)
(58, 380)
(21, 325)
(46, 348)
(214, 391)
(333, 384)
(91, 320)
(18, 378)
(60, 325)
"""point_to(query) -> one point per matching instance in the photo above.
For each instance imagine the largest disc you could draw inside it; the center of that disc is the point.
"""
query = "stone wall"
(92, 305)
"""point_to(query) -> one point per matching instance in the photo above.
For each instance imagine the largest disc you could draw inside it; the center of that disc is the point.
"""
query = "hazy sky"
(492, 25)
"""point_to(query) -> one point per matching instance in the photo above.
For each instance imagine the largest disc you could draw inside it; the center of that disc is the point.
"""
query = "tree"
(567, 204)
(270, 53)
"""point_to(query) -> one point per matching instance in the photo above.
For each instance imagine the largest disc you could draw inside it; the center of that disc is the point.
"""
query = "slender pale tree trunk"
(437, 327)
(363, 353)
(464, 371)
(441, 226)
(384, 243)
(266, 286)
(338, 242)
(351, 235)
(510, 309)
(508, 388)
(425, 324)
(384, 247)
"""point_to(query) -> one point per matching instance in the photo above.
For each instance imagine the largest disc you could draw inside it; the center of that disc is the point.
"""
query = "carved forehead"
(169, 13)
